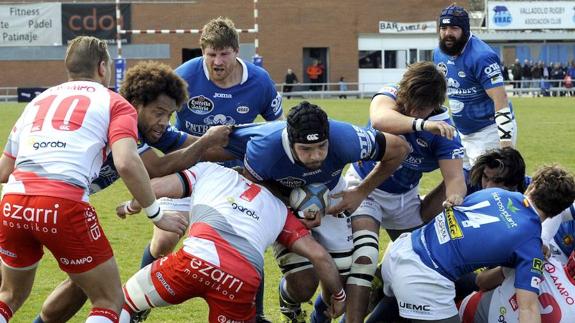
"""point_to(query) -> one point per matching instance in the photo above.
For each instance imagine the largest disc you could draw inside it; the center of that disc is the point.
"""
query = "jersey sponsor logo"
(441, 229)
(220, 281)
(242, 109)
(277, 104)
(200, 105)
(537, 266)
(364, 142)
(292, 182)
(496, 79)
(550, 268)
(92, 223)
(457, 91)
(502, 16)
(30, 218)
(219, 119)
(461, 74)
(458, 153)
(454, 228)
(223, 319)
(196, 129)
(223, 95)
(421, 142)
(502, 312)
(419, 308)
(442, 67)
(389, 89)
(492, 70)
(76, 262)
(513, 302)
(48, 144)
(567, 240)
(336, 173)
(562, 289)
(535, 281)
(317, 171)
(503, 214)
(7, 253)
(247, 211)
(510, 206)
(164, 283)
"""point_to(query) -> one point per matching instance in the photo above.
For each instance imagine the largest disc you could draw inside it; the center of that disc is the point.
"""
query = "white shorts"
(392, 211)
(422, 293)
(479, 142)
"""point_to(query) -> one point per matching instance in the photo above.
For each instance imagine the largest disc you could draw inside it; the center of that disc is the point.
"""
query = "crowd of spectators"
(540, 77)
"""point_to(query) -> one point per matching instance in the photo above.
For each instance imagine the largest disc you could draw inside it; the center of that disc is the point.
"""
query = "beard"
(456, 46)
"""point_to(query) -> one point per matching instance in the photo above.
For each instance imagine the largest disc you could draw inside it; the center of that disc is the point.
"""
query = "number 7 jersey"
(62, 138)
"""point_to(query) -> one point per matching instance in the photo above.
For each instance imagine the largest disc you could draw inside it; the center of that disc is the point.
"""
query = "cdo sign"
(524, 15)
(98, 20)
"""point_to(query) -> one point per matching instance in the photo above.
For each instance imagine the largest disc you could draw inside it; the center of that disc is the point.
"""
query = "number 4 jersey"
(62, 138)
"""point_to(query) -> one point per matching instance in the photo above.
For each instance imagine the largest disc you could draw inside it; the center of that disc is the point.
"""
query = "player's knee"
(364, 259)
(163, 243)
(302, 286)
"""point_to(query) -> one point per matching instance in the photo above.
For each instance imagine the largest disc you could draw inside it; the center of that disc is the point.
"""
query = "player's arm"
(490, 278)
(394, 149)
(6, 167)
(385, 117)
(503, 115)
(449, 192)
(325, 268)
(186, 157)
(528, 304)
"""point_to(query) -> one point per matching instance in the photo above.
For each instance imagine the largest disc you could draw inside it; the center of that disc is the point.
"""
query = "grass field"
(546, 135)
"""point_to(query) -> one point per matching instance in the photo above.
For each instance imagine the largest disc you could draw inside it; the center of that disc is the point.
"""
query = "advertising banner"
(391, 27)
(98, 20)
(31, 24)
(522, 15)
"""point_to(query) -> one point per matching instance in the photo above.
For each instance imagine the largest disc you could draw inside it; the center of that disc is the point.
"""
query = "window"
(395, 58)
(412, 55)
(425, 55)
(369, 59)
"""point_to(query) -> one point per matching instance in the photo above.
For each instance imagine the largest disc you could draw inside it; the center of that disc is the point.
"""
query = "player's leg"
(61, 305)
(16, 287)
(298, 284)
(364, 264)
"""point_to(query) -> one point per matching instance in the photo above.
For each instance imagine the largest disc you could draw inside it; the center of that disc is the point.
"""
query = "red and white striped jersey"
(63, 136)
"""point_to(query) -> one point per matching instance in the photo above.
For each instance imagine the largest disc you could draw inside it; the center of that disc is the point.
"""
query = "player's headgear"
(307, 124)
(455, 16)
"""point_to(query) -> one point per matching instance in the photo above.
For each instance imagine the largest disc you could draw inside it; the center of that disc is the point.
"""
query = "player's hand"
(172, 221)
(335, 309)
(441, 128)
(452, 200)
(311, 219)
(218, 135)
(351, 198)
(546, 251)
(127, 208)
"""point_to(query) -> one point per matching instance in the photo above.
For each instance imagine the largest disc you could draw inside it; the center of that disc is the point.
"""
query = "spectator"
(342, 88)
(557, 75)
(537, 74)
(290, 79)
(517, 72)
(526, 75)
(314, 73)
(505, 72)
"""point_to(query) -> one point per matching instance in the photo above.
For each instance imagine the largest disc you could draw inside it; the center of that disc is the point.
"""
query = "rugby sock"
(126, 314)
(5, 312)
(260, 298)
(38, 319)
(285, 297)
(147, 257)
(317, 316)
(102, 315)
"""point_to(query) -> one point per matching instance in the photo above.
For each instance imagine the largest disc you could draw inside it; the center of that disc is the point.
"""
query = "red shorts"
(229, 289)
(69, 229)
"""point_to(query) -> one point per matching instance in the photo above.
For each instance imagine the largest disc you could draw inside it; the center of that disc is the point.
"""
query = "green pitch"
(546, 135)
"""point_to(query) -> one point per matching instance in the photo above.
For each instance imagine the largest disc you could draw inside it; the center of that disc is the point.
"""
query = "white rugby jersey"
(556, 298)
(234, 212)
(63, 136)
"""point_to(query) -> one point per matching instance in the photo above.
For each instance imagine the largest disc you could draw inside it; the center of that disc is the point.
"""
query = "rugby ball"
(313, 197)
